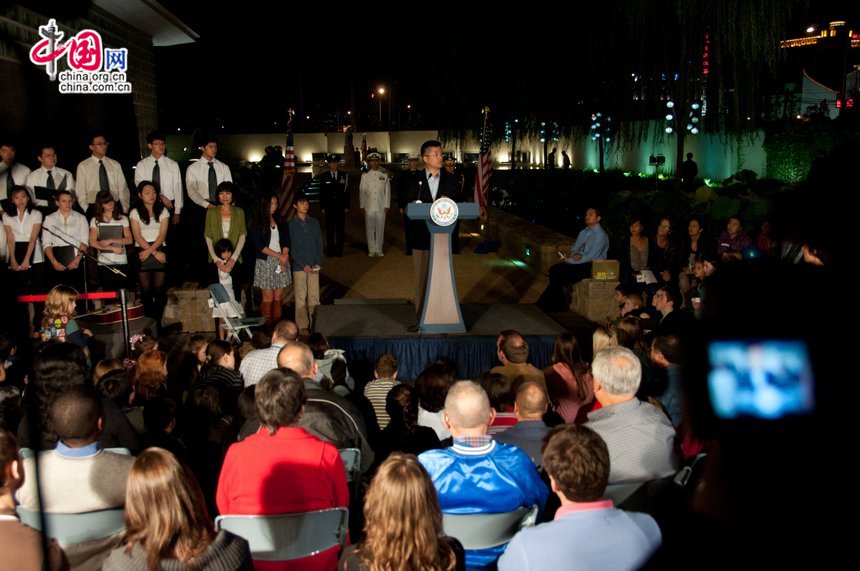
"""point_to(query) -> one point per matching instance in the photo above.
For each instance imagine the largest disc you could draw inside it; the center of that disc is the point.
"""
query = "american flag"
(482, 176)
(285, 193)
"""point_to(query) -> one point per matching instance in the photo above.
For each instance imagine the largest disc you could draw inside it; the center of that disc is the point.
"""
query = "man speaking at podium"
(432, 183)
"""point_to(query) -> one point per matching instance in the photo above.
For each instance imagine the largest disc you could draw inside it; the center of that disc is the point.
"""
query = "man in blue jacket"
(477, 474)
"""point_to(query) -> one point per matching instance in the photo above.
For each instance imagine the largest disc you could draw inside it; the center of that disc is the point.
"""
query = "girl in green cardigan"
(225, 220)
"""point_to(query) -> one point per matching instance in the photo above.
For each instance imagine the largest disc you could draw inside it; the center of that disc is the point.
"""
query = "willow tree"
(625, 58)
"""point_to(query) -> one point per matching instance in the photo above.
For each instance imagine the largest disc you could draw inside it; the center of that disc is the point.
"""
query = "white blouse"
(150, 231)
(22, 228)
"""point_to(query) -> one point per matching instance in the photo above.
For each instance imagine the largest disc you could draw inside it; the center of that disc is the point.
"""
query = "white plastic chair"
(69, 529)
(224, 306)
(483, 531)
(289, 536)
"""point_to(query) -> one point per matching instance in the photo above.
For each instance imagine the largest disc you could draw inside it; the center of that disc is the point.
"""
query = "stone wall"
(521, 240)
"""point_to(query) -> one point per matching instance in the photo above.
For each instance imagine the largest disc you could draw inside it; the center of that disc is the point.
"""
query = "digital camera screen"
(765, 379)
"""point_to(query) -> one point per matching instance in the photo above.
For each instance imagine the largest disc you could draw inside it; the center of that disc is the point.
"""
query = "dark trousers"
(335, 221)
(560, 275)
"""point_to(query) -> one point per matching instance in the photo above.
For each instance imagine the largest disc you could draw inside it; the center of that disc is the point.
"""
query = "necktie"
(213, 184)
(50, 182)
(103, 178)
(10, 182)
(156, 176)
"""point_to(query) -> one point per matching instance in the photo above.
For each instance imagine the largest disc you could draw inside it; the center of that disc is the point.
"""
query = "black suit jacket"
(419, 189)
(334, 194)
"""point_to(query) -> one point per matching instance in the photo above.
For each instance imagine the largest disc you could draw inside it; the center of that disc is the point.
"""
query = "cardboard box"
(606, 270)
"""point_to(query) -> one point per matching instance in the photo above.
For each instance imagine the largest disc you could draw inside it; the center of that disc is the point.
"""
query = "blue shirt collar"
(84, 452)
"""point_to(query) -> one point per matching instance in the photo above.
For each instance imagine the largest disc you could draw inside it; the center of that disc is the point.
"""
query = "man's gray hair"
(618, 369)
(467, 405)
(298, 357)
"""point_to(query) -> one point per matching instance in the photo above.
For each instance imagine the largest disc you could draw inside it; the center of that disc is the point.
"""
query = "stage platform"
(367, 328)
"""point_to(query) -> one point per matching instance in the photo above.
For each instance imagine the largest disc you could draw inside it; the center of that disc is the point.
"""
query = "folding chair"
(483, 531)
(289, 536)
(70, 529)
(351, 461)
(234, 325)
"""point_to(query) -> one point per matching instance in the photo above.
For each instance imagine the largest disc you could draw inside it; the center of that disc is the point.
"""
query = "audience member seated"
(384, 379)
(478, 474)
(527, 434)
(327, 416)
(629, 333)
(588, 532)
(159, 421)
(282, 468)
(602, 338)
(634, 255)
(674, 320)
(695, 247)
(59, 367)
(248, 412)
(116, 386)
(167, 525)
(258, 363)
(78, 476)
(500, 392)
(568, 379)
(104, 367)
(664, 253)
(432, 386)
(403, 433)
(21, 545)
(638, 435)
(150, 377)
(220, 372)
(331, 364)
(403, 523)
(192, 360)
(666, 354)
(733, 241)
(513, 352)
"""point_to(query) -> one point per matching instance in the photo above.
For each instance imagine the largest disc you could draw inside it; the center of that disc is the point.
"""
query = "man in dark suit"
(334, 202)
(432, 182)
(407, 178)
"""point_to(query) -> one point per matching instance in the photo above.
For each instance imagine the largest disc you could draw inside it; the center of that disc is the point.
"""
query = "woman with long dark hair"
(149, 221)
(403, 433)
(167, 525)
(568, 379)
(271, 237)
(403, 523)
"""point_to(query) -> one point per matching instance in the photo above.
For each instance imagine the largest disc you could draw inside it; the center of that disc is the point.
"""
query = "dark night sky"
(259, 58)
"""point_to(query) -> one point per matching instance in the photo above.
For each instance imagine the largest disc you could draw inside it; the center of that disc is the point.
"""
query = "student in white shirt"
(89, 179)
(149, 221)
(65, 229)
(166, 177)
(49, 175)
(111, 251)
(23, 226)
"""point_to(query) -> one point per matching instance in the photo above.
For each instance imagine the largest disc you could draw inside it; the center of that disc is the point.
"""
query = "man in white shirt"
(163, 171)
(65, 229)
(98, 172)
(203, 177)
(375, 197)
(49, 176)
(260, 361)
(201, 181)
(11, 173)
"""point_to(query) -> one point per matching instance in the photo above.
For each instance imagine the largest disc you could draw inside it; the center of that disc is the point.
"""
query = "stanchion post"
(123, 304)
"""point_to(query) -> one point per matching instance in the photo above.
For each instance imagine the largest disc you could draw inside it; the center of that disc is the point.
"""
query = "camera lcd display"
(764, 379)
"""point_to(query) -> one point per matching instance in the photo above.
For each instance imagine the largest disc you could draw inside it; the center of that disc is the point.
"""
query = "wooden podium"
(441, 313)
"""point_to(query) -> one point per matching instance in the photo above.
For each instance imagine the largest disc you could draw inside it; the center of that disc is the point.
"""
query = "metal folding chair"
(289, 536)
(233, 325)
(483, 531)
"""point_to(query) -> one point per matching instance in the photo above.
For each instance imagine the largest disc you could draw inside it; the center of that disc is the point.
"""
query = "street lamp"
(381, 92)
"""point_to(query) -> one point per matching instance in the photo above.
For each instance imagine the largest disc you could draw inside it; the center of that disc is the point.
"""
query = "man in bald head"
(328, 416)
(478, 474)
(527, 434)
